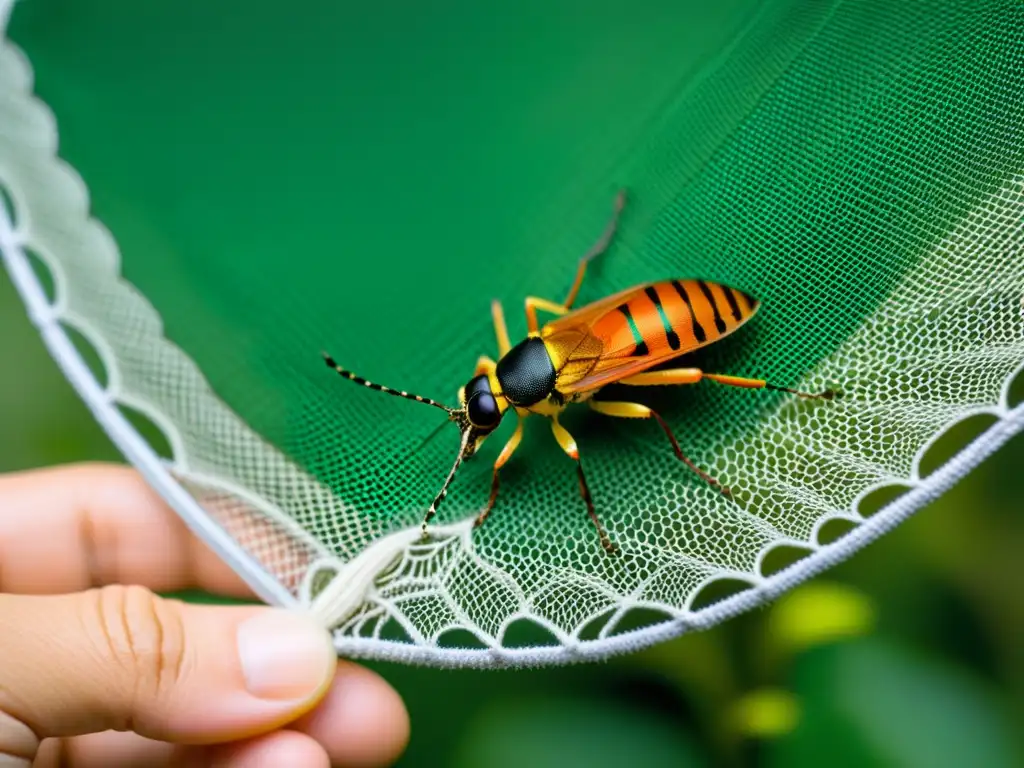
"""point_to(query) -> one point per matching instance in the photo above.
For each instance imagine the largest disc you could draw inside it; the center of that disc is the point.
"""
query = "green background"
(938, 682)
(345, 181)
(271, 204)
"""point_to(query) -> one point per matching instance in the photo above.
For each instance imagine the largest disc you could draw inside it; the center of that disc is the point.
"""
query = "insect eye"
(483, 410)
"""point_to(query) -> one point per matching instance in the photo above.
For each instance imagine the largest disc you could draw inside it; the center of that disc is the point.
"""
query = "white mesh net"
(946, 344)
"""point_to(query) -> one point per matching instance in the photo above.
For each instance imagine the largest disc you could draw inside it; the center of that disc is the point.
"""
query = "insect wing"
(641, 327)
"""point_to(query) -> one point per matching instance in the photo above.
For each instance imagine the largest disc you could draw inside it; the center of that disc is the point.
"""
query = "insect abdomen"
(676, 315)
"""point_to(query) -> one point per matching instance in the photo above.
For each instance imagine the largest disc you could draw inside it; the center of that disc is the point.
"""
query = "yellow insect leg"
(533, 304)
(671, 376)
(637, 411)
(597, 248)
(505, 455)
(738, 381)
(568, 444)
(500, 329)
(694, 375)
(484, 364)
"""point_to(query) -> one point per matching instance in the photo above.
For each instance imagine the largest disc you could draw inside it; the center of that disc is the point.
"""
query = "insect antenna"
(448, 480)
(380, 388)
(456, 415)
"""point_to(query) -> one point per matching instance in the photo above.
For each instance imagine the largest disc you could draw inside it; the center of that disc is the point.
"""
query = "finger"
(71, 528)
(361, 721)
(284, 748)
(122, 658)
(129, 750)
(114, 748)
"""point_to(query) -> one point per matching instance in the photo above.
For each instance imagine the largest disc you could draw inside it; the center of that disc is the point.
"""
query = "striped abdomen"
(671, 317)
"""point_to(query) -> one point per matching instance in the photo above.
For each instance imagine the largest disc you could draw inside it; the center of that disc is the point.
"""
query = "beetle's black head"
(483, 409)
(479, 414)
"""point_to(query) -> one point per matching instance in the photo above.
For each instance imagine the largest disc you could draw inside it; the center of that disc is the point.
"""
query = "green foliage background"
(937, 680)
(930, 669)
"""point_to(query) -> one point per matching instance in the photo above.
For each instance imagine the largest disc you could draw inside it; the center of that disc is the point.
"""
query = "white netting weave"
(945, 345)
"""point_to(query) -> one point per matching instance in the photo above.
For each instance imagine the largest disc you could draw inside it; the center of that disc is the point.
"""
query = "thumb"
(123, 658)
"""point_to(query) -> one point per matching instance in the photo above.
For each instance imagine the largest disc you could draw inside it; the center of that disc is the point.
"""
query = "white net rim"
(154, 469)
(53, 329)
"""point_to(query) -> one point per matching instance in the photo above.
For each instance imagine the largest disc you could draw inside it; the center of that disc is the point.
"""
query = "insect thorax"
(526, 373)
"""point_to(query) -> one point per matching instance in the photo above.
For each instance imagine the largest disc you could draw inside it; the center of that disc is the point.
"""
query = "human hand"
(97, 673)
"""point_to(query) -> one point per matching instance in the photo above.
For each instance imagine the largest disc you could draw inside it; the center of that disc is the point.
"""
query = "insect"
(617, 339)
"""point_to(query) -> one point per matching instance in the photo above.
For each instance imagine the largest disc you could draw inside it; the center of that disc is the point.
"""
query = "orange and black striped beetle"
(612, 341)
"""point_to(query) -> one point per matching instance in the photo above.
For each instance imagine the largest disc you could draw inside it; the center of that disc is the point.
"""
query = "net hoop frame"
(161, 474)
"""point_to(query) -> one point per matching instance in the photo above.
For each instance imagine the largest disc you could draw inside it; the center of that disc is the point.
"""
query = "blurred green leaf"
(206, 598)
(766, 713)
(818, 613)
(560, 731)
(42, 421)
(874, 703)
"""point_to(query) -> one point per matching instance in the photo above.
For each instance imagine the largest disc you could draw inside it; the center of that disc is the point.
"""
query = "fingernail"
(285, 655)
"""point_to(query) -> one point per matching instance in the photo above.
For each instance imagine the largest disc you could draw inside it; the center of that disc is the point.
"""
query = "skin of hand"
(97, 670)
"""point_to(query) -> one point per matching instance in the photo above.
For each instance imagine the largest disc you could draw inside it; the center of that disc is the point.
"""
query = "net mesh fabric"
(855, 166)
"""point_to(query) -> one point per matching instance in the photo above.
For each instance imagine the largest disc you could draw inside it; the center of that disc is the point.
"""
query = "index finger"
(76, 527)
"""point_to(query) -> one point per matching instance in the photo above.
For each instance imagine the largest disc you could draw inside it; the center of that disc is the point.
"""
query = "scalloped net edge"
(391, 596)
